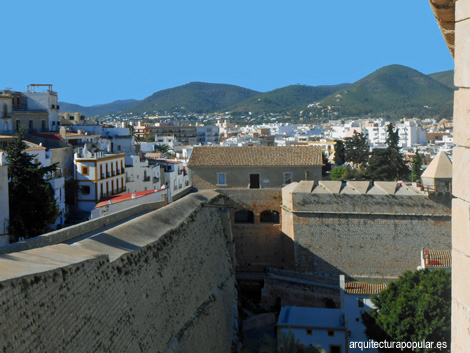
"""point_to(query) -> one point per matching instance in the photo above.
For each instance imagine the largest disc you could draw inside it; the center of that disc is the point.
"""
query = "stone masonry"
(461, 189)
(162, 282)
(361, 230)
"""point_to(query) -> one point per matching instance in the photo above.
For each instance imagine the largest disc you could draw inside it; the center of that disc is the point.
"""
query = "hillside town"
(302, 241)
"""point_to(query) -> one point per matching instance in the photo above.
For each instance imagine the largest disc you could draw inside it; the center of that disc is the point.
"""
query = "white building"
(208, 135)
(55, 179)
(98, 175)
(355, 300)
(140, 176)
(314, 326)
(410, 134)
(47, 100)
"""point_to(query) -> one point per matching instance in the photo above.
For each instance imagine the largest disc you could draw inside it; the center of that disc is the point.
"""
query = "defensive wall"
(361, 229)
(161, 282)
(259, 244)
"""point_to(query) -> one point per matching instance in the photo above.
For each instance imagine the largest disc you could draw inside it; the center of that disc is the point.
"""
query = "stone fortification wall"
(373, 235)
(259, 245)
(69, 233)
(162, 282)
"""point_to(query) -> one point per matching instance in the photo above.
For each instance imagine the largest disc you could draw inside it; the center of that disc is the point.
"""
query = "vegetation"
(357, 149)
(416, 167)
(340, 153)
(444, 77)
(284, 100)
(394, 91)
(194, 97)
(326, 164)
(387, 164)
(344, 172)
(99, 109)
(32, 204)
(415, 308)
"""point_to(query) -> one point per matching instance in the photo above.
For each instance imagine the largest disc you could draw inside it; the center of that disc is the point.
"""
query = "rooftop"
(364, 288)
(311, 317)
(439, 168)
(267, 156)
(124, 197)
(437, 258)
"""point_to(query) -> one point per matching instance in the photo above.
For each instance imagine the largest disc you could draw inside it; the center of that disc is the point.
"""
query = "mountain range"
(394, 90)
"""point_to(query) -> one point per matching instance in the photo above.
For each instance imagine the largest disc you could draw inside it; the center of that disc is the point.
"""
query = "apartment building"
(98, 175)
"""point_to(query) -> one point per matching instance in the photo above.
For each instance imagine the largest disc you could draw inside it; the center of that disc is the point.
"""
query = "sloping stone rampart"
(162, 282)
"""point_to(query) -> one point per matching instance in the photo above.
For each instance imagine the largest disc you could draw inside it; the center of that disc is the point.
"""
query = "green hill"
(194, 97)
(99, 109)
(445, 77)
(286, 98)
(394, 90)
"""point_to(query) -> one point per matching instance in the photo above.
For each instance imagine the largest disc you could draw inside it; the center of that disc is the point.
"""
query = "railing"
(108, 174)
(147, 178)
(102, 175)
(113, 173)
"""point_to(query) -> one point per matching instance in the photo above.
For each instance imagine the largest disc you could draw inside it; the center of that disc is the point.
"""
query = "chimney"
(342, 287)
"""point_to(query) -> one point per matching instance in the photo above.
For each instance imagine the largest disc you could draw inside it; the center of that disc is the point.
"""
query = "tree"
(326, 164)
(416, 166)
(388, 163)
(340, 156)
(357, 149)
(32, 204)
(392, 137)
(415, 308)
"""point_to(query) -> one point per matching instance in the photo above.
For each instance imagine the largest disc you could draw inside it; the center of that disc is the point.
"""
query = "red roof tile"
(124, 197)
(365, 288)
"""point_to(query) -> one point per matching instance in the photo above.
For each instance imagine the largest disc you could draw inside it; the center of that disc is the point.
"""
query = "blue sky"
(99, 51)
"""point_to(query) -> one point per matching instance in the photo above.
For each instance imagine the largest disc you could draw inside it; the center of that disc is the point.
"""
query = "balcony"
(108, 174)
(147, 178)
(102, 175)
(113, 173)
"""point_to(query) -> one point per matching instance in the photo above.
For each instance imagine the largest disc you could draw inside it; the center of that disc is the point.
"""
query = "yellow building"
(98, 175)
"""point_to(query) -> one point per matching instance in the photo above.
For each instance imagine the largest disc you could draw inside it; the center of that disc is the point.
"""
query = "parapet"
(360, 197)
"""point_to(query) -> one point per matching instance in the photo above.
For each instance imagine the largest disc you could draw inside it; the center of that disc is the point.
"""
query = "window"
(31, 125)
(287, 178)
(43, 125)
(331, 333)
(269, 216)
(221, 179)
(334, 348)
(309, 331)
(360, 302)
(119, 147)
(85, 190)
(244, 216)
(85, 170)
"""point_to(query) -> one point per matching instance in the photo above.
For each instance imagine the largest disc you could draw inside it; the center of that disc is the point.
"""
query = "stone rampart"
(259, 245)
(161, 282)
(362, 230)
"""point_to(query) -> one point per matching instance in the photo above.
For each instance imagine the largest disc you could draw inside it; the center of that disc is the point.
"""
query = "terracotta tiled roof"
(437, 258)
(364, 288)
(124, 197)
(264, 156)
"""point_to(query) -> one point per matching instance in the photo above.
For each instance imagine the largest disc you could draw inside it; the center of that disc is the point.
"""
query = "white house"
(355, 300)
(55, 179)
(140, 176)
(314, 326)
